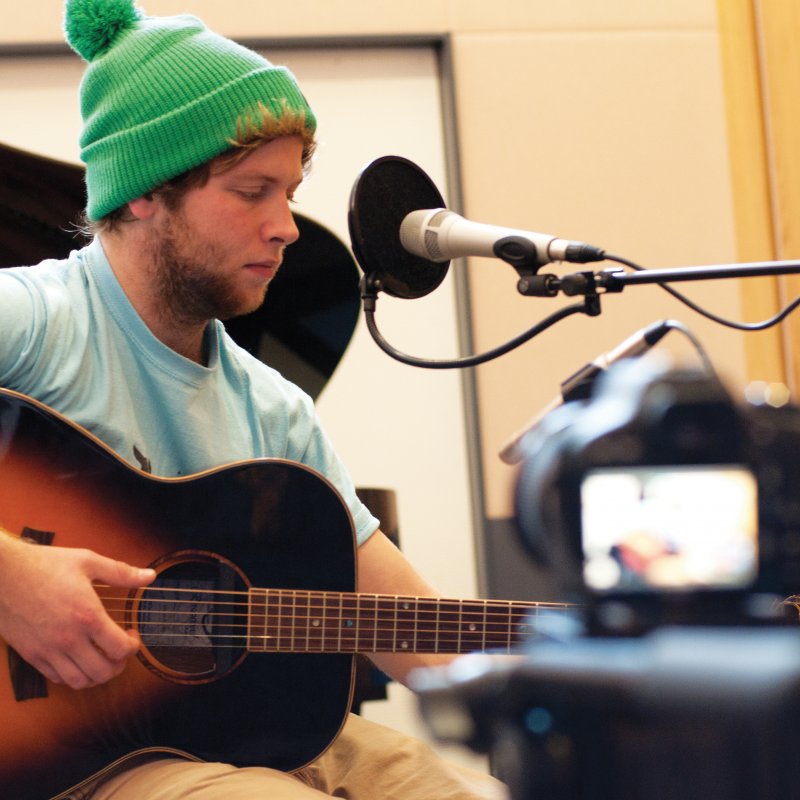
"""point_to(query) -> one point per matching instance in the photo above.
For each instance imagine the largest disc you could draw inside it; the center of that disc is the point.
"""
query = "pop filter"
(384, 193)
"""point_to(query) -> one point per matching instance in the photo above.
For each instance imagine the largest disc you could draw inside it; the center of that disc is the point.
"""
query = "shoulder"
(48, 280)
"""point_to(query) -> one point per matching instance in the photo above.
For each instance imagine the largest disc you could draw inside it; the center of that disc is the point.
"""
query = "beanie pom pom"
(92, 26)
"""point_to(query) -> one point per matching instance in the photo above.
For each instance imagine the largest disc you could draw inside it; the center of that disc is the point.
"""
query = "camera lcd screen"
(669, 528)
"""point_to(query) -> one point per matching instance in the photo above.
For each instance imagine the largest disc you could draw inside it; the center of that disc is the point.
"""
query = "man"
(194, 148)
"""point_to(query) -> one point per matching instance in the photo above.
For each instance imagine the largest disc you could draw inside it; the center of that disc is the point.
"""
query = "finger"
(46, 669)
(118, 573)
(70, 671)
(95, 664)
(116, 643)
(87, 665)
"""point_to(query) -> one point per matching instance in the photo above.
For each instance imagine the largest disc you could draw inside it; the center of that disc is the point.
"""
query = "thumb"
(118, 573)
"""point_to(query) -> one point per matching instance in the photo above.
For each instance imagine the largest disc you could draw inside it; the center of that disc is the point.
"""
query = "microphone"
(578, 386)
(439, 235)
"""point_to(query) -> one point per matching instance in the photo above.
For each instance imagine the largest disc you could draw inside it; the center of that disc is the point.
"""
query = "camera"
(670, 516)
(660, 500)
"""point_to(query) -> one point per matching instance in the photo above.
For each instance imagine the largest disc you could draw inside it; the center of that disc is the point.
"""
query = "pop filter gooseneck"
(386, 191)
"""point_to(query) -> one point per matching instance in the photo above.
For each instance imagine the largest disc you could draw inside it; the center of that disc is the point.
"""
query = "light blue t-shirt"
(72, 339)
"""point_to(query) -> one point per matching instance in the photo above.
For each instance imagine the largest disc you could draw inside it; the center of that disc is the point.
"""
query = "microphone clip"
(521, 253)
(549, 285)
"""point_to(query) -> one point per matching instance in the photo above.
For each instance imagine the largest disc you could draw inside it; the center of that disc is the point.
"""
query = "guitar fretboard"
(332, 622)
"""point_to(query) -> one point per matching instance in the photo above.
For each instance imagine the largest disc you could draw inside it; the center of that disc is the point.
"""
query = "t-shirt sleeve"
(319, 454)
(20, 309)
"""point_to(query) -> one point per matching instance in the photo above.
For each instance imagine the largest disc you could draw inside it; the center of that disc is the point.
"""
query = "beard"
(187, 277)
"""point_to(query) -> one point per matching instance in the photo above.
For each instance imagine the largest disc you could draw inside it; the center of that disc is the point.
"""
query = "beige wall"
(40, 21)
(614, 135)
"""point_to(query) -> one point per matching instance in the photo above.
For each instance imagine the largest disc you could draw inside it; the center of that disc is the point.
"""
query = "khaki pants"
(366, 762)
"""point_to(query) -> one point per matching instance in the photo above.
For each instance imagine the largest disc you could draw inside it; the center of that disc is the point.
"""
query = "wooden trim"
(751, 181)
(779, 21)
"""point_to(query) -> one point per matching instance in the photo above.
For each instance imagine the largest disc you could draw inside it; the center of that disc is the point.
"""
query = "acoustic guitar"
(248, 633)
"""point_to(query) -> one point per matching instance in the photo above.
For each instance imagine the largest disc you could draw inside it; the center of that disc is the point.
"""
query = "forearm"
(383, 569)
(400, 665)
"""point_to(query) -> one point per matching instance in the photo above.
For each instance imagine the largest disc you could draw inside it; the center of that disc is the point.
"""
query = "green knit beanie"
(162, 95)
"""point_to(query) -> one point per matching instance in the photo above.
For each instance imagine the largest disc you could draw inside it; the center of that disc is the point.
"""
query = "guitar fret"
(448, 633)
(339, 626)
(257, 617)
(394, 630)
(375, 626)
(333, 615)
(426, 633)
(293, 621)
(436, 625)
(416, 623)
(472, 629)
(272, 634)
(285, 643)
(348, 621)
(306, 616)
(385, 635)
(357, 623)
(405, 625)
(324, 623)
(367, 629)
(253, 618)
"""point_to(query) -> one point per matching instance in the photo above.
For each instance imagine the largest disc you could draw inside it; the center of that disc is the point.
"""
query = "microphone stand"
(615, 279)
(588, 284)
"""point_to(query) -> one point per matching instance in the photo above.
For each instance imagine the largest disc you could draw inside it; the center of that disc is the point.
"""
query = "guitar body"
(260, 523)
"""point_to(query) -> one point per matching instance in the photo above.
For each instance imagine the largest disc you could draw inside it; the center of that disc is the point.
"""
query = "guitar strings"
(379, 607)
(330, 634)
(448, 625)
(354, 641)
(298, 624)
(290, 617)
(358, 600)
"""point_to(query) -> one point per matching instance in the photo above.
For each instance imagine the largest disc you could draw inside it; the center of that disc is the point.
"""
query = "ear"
(143, 207)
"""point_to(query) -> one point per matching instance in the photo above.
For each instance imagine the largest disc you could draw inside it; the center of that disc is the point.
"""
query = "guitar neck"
(335, 622)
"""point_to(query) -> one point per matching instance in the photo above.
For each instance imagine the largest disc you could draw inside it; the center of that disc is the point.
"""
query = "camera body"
(660, 501)
(686, 713)
(670, 516)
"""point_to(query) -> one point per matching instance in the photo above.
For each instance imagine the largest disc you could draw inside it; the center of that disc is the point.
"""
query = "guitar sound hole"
(192, 619)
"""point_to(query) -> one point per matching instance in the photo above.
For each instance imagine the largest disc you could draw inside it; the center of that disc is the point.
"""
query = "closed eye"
(248, 195)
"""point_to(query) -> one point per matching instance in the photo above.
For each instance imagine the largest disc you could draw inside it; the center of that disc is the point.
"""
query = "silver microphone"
(438, 234)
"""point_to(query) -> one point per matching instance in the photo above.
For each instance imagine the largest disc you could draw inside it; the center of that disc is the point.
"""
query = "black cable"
(741, 326)
(673, 324)
(466, 361)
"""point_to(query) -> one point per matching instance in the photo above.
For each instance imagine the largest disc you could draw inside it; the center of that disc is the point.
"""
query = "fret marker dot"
(404, 645)
(406, 606)
(315, 623)
(472, 626)
(348, 623)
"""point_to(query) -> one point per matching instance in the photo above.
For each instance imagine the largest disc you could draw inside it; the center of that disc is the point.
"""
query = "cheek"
(220, 232)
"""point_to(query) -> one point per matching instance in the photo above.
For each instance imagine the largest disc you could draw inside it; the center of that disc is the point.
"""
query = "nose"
(280, 225)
